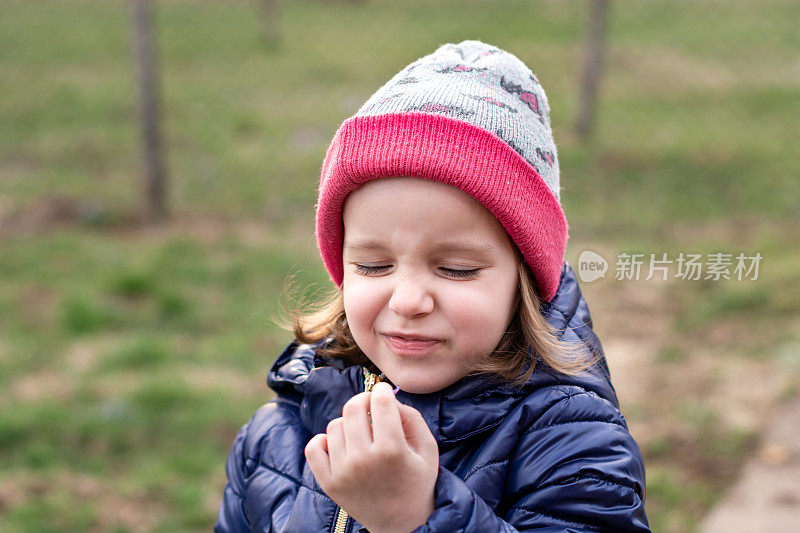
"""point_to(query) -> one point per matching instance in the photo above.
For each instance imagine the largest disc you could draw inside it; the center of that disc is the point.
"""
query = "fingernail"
(396, 390)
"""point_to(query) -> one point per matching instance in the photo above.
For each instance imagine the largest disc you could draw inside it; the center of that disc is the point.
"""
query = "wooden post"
(154, 177)
(270, 25)
(595, 45)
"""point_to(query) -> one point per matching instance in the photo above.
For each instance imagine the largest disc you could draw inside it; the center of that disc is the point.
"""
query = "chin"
(415, 385)
(418, 389)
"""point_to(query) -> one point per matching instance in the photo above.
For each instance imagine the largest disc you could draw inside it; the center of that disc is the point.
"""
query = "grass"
(131, 355)
(182, 345)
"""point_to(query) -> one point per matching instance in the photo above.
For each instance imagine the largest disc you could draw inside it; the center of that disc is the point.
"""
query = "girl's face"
(430, 280)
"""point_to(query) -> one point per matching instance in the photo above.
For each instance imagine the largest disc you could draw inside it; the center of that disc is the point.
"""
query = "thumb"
(418, 435)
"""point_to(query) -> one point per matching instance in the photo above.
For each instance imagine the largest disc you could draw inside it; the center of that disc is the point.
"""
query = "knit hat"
(469, 115)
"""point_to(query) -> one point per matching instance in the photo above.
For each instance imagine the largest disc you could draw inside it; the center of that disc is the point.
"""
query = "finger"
(387, 428)
(416, 431)
(316, 452)
(336, 446)
(357, 427)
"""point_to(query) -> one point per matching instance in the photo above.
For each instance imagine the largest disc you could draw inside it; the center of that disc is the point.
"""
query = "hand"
(379, 462)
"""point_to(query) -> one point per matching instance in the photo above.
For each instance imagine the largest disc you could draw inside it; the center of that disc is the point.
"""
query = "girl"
(444, 388)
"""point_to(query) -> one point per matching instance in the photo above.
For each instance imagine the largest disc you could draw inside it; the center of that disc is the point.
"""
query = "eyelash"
(454, 273)
(368, 270)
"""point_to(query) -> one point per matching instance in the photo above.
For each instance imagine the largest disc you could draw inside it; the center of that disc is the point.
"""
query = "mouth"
(411, 344)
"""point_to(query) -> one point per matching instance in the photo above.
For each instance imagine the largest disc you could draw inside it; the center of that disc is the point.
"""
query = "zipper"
(370, 380)
(341, 521)
(342, 517)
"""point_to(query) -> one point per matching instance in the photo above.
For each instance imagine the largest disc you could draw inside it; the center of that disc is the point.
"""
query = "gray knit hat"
(469, 115)
(469, 81)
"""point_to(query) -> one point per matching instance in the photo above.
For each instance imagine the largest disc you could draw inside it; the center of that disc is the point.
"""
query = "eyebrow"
(446, 247)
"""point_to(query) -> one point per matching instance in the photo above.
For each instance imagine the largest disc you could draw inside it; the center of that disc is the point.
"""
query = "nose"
(410, 298)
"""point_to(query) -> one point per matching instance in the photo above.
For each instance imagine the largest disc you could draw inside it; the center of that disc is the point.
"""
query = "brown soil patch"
(38, 306)
(39, 215)
(232, 383)
(57, 211)
(45, 384)
(82, 355)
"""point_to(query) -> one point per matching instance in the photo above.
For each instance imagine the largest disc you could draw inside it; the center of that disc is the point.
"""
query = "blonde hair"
(513, 360)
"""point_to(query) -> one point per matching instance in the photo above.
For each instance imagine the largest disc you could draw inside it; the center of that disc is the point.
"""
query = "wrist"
(408, 525)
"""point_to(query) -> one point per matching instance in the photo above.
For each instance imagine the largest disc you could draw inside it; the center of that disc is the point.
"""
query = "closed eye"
(371, 270)
(455, 273)
(460, 273)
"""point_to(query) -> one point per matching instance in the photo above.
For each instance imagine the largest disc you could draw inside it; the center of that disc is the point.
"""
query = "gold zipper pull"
(370, 380)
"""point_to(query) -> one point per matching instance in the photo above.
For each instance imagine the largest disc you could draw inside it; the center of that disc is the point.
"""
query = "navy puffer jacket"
(555, 455)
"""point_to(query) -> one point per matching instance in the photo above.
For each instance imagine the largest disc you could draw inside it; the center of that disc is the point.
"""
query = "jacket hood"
(470, 406)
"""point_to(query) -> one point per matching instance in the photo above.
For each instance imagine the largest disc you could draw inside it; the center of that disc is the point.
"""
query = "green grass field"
(130, 354)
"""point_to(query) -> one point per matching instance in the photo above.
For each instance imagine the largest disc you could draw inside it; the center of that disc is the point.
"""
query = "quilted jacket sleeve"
(575, 469)
(273, 435)
(232, 515)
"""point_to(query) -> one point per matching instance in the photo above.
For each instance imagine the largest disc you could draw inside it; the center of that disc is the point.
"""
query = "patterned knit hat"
(469, 115)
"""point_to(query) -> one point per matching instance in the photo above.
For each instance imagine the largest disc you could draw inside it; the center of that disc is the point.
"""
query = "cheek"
(481, 315)
(485, 316)
(361, 305)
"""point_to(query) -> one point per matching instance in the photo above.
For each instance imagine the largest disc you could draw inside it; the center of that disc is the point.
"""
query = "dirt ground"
(766, 497)
(743, 395)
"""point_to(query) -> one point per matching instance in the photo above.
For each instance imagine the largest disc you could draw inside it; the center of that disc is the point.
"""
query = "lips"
(408, 344)
(410, 336)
